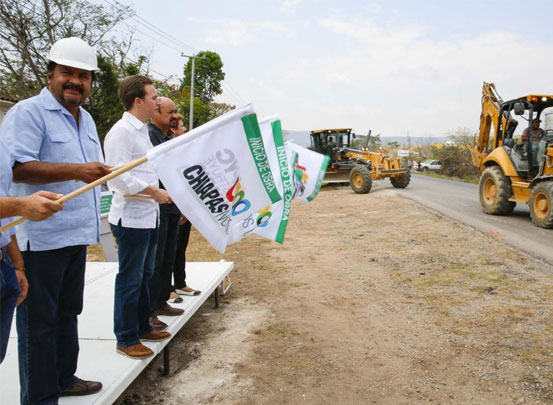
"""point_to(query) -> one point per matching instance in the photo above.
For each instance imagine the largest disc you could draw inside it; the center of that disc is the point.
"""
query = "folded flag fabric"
(308, 170)
(271, 221)
(218, 174)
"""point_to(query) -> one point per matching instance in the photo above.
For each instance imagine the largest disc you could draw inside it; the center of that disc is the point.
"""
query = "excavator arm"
(489, 115)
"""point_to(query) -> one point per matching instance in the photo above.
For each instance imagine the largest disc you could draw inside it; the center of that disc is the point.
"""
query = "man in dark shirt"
(536, 133)
(160, 284)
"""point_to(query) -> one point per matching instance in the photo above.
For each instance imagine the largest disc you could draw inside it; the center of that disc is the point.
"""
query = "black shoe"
(82, 387)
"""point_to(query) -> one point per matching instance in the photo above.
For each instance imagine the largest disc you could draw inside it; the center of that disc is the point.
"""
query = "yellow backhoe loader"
(358, 167)
(514, 171)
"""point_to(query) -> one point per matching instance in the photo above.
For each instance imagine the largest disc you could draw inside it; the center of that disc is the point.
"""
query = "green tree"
(456, 162)
(375, 142)
(29, 28)
(455, 155)
(463, 136)
(359, 142)
(216, 109)
(208, 75)
(181, 96)
(103, 102)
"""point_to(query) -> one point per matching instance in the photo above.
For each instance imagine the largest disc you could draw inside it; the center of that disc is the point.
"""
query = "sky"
(395, 67)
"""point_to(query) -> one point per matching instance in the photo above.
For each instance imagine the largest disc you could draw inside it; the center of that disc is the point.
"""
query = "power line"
(115, 3)
(230, 91)
(232, 97)
(151, 37)
(150, 26)
(149, 68)
(233, 93)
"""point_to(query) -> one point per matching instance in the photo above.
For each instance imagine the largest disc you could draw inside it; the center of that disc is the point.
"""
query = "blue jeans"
(160, 284)
(136, 249)
(9, 292)
(47, 323)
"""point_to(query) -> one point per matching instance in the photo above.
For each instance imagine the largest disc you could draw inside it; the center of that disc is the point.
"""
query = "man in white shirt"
(133, 217)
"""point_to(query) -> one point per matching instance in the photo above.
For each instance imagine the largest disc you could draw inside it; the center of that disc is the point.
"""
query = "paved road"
(460, 201)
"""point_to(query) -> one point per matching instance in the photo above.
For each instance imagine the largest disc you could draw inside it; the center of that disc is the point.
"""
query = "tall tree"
(375, 142)
(29, 28)
(208, 75)
(181, 96)
(463, 136)
(103, 103)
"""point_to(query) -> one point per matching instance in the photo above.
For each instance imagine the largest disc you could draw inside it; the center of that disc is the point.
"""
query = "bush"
(457, 162)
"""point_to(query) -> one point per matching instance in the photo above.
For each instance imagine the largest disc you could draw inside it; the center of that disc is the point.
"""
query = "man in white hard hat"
(54, 145)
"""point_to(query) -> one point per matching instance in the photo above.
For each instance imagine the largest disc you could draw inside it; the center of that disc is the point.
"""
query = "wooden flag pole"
(118, 171)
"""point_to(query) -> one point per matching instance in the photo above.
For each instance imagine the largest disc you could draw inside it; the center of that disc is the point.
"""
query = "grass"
(466, 179)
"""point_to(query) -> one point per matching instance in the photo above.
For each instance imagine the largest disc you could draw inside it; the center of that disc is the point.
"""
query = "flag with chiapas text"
(218, 174)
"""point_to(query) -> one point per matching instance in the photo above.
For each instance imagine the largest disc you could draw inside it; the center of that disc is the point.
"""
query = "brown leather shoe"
(155, 336)
(82, 387)
(137, 351)
(168, 310)
(157, 324)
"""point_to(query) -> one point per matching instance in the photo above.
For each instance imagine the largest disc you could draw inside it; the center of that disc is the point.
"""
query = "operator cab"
(330, 141)
(518, 115)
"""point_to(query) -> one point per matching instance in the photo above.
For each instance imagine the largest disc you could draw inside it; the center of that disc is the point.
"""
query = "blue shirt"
(41, 129)
(5, 183)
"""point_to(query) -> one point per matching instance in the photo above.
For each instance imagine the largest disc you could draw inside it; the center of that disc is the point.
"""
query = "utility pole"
(193, 57)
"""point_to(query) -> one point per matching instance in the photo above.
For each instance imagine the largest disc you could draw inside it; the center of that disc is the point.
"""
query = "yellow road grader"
(358, 167)
(515, 170)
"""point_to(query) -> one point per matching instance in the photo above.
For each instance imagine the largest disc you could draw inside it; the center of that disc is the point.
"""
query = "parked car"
(433, 165)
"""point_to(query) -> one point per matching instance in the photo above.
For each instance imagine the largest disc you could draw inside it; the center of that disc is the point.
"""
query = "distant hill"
(415, 140)
(302, 138)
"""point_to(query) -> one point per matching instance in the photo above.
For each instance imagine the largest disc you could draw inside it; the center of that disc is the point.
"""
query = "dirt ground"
(372, 299)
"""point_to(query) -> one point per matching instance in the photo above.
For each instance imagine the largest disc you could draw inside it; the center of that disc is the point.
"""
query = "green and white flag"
(308, 170)
(272, 220)
(218, 174)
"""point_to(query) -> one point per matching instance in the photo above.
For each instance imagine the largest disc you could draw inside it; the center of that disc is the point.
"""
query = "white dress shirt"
(128, 140)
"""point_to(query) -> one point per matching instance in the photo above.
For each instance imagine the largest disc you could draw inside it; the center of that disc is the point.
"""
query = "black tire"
(401, 181)
(360, 180)
(541, 204)
(494, 191)
(425, 169)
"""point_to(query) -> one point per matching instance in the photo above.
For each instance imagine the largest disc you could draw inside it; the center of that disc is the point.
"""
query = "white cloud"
(235, 32)
(369, 72)
(428, 85)
(290, 4)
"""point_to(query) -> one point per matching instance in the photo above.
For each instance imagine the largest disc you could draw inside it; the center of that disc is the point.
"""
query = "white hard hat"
(73, 52)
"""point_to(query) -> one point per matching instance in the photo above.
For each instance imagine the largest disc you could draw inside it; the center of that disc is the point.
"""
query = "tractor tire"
(494, 191)
(401, 181)
(360, 180)
(541, 204)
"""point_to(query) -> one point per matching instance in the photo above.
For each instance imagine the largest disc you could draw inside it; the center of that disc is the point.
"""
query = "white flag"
(272, 220)
(308, 170)
(218, 173)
